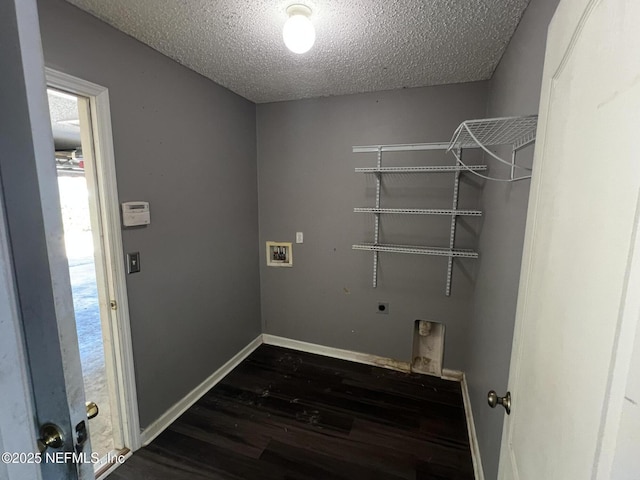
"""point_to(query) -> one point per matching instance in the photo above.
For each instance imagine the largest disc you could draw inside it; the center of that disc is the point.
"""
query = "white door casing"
(578, 305)
(110, 272)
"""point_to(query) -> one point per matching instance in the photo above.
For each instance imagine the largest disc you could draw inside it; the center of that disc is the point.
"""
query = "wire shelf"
(408, 147)
(419, 211)
(416, 250)
(516, 131)
(430, 169)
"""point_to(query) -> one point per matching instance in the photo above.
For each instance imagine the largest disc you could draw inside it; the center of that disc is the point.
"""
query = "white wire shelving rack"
(517, 132)
(376, 247)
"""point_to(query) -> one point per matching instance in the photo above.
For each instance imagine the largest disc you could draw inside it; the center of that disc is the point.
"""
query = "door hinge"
(114, 305)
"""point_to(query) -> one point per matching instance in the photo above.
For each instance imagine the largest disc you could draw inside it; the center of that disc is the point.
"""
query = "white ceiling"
(361, 45)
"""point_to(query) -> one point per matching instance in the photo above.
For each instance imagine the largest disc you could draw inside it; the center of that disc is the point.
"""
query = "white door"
(40, 378)
(578, 304)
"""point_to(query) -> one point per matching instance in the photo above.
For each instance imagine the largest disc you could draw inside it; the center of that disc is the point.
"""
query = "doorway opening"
(81, 124)
(83, 245)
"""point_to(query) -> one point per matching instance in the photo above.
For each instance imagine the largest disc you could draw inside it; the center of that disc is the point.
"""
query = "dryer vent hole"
(428, 347)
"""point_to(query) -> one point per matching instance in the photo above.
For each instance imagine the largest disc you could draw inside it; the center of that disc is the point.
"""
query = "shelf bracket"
(452, 234)
(376, 233)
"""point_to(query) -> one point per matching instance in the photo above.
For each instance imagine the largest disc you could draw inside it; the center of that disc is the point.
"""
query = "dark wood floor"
(288, 415)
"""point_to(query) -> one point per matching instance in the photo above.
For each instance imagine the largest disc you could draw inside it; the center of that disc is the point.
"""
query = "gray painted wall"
(188, 147)
(514, 90)
(307, 183)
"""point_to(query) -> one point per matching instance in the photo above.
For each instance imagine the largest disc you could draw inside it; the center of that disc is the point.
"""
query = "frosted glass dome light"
(298, 32)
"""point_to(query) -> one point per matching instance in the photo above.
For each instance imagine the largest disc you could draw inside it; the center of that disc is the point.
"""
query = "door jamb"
(114, 258)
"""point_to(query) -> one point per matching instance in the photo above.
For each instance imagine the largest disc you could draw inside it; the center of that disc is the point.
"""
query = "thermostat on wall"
(135, 214)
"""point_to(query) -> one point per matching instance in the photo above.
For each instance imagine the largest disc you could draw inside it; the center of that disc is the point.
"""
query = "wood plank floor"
(288, 415)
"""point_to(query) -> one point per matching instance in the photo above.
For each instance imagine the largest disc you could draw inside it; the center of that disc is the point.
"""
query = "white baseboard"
(454, 375)
(157, 427)
(471, 427)
(352, 356)
(336, 353)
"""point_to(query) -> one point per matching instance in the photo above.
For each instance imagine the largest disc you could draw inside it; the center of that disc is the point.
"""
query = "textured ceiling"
(361, 45)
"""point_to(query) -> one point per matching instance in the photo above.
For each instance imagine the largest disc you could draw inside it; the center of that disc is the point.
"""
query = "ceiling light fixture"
(298, 32)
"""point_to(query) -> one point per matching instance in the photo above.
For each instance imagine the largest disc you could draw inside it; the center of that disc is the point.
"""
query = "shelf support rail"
(452, 234)
(522, 144)
(376, 233)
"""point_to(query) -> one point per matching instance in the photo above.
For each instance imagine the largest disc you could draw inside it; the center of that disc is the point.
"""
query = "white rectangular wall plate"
(135, 214)
(279, 254)
(299, 237)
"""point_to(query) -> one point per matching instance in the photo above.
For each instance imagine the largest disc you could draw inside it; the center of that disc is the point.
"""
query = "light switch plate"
(133, 262)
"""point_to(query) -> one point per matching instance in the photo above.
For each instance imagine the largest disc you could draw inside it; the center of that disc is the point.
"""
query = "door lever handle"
(493, 399)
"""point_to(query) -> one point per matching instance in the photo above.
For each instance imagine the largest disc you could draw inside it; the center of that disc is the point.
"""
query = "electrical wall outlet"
(299, 237)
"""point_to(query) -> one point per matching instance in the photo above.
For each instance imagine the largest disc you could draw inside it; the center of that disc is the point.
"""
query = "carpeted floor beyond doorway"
(288, 415)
